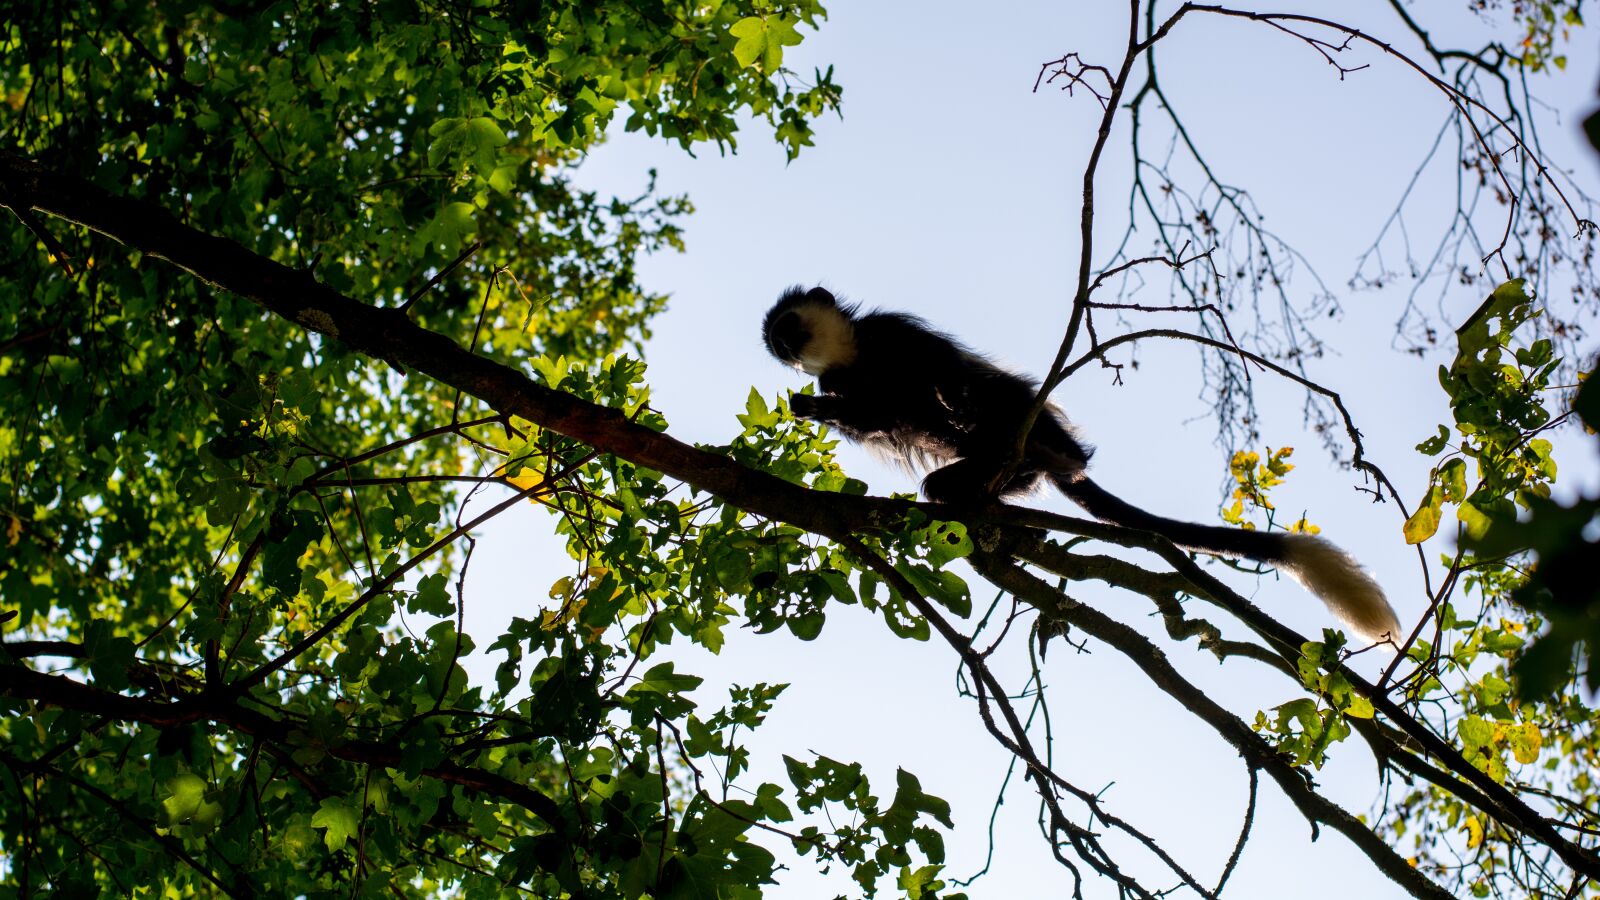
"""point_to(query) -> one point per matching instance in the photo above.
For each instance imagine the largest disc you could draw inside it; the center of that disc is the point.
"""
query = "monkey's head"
(809, 330)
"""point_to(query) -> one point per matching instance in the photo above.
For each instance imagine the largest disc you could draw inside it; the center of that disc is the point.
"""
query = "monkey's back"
(938, 400)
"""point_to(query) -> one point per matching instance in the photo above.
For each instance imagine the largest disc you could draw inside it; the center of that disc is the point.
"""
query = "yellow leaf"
(1474, 832)
(1243, 465)
(1526, 741)
(13, 531)
(1235, 513)
(526, 479)
(1495, 767)
(1424, 522)
(552, 618)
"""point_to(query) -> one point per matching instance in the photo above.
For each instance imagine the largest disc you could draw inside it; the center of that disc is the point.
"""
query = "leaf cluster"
(258, 538)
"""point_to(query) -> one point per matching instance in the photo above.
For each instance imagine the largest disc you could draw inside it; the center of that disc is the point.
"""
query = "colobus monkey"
(890, 382)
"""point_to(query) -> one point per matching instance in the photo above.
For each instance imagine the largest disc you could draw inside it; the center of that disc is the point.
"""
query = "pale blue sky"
(951, 190)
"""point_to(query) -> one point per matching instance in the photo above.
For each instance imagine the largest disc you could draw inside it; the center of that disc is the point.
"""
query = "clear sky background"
(950, 189)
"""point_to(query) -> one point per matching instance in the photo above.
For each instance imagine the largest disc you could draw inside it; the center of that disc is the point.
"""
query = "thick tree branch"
(54, 690)
(390, 335)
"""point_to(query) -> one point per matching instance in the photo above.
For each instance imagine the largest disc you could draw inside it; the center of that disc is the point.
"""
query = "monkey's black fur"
(925, 400)
(891, 382)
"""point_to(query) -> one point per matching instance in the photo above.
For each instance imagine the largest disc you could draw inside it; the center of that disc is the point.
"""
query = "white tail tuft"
(1350, 593)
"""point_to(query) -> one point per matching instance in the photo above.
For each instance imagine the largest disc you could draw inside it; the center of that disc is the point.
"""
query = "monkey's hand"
(806, 406)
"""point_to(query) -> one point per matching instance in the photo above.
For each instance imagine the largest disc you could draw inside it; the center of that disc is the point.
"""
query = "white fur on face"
(832, 342)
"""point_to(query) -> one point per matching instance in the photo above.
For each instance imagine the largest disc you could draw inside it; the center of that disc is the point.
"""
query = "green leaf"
(918, 883)
(945, 588)
(661, 679)
(1435, 445)
(808, 626)
(451, 225)
(904, 624)
(1503, 642)
(1475, 733)
(1479, 514)
(762, 39)
(280, 561)
(299, 838)
(473, 140)
(756, 413)
(503, 178)
(768, 798)
(109, 655)
(340, 821)
(1359, 708)
(946, 541)
(185, 796)
(1302, 709)
(838, 585)
(731, 566)
(432, 596)
(1452, 479)
(909, 802)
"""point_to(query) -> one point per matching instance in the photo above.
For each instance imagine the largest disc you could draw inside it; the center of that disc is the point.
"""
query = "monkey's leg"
(1053, 448)
(967, 481)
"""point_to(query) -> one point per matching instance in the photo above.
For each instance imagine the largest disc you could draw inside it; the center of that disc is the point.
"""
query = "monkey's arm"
(810, 406)
(842, 412)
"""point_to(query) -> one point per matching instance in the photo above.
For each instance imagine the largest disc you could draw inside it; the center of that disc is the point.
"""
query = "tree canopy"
(299, 296)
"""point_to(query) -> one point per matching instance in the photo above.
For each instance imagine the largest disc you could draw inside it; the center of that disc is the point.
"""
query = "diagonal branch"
(1501, 802)
(1258, 753)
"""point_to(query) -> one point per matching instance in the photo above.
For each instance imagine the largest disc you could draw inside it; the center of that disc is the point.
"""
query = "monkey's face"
(809, 331)
(787, 336)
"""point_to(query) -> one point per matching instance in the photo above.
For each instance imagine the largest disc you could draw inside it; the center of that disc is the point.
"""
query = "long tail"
(1332, 574)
